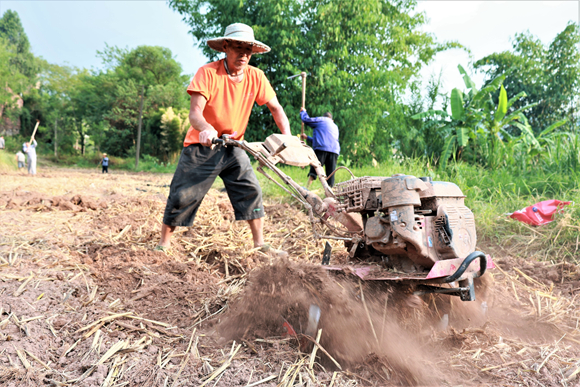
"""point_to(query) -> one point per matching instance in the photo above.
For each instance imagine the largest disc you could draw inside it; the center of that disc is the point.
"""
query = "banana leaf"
(462, 136)
(448, 150)
(430, 113)
(501, 106)
(553, 127)
(516, 97)
(457, 111)
(490, 88)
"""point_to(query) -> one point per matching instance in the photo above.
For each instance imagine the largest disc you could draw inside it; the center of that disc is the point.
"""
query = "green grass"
(7, 161)
(149, 164)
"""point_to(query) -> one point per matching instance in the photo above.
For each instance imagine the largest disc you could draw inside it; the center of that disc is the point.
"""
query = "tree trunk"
(82, 136)
(138, 144)
(55, 139)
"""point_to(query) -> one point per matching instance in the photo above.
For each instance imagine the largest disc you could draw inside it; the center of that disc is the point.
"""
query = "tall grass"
(7, 161)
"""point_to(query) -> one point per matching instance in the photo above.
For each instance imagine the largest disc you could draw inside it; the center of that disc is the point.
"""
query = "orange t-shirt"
(229, 103)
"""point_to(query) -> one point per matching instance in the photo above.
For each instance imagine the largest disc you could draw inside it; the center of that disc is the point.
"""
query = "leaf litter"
(84, 300)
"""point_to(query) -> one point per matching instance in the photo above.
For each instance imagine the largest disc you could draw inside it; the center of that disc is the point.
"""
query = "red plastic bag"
(539, 213)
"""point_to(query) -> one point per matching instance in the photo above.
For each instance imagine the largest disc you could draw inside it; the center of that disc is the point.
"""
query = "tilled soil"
(85, 300)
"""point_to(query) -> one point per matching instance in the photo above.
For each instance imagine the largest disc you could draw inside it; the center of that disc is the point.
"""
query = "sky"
(71, 32)
(486, 27)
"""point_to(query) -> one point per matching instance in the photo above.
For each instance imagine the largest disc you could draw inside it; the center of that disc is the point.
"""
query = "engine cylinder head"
(401, 191)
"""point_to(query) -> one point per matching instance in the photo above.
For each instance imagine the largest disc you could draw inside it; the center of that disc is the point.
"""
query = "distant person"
(105, 163)
(324, 141)
(21, 159)
(30, 150)
(2, 143)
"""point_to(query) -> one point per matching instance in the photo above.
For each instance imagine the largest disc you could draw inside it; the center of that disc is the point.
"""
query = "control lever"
(279, 150)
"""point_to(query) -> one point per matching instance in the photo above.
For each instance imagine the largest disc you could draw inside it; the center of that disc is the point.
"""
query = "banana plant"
(476, 118)
(534, 146)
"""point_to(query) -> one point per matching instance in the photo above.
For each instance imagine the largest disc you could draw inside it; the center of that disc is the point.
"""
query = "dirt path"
(84, 300)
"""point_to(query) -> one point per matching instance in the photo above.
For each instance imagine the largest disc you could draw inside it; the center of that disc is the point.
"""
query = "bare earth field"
(85, 301)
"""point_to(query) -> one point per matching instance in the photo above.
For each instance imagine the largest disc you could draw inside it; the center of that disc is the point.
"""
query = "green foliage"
(129, 73)
(476, 117)
(9, 76)
(17, 42)
(18, 67)
(360, 57)
(549, 76)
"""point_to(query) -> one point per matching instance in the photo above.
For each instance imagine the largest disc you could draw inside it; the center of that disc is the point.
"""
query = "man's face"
(238, 55)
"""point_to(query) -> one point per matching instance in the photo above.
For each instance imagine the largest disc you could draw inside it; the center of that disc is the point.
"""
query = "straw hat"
(241, 33)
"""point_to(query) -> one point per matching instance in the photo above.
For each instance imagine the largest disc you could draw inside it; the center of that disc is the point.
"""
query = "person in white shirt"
(21, 159)
(30, 150)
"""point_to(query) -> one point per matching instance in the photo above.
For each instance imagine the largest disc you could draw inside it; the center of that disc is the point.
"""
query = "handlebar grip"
(218, 141)
(466, 262)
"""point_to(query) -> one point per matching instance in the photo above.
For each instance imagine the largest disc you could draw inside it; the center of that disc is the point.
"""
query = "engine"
(411, 222)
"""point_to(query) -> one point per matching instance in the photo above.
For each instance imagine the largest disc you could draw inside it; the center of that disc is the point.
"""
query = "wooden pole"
(35, 128)
(303, 74)
(138, 145)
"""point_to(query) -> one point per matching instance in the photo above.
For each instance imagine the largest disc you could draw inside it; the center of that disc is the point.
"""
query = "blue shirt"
(324, 133)
(105, 161)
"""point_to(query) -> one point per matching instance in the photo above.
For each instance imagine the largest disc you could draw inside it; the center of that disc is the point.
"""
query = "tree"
(549, 76)
(359, 54)
(17, 41)
(108, 100)
(11, 80)
(18, 70)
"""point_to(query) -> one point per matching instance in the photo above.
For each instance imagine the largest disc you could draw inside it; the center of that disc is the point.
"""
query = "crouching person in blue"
(324, 141)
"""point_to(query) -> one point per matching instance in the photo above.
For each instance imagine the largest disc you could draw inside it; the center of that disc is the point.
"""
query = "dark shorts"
(328, 161)
(196, 171)
(105, 169)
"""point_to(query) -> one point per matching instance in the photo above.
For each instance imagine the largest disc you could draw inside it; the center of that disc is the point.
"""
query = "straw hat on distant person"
(239, 32)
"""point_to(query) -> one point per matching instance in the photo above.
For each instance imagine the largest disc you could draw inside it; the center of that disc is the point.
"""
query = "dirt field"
(84, 300)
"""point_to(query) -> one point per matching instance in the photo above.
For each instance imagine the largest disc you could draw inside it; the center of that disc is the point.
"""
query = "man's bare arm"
(197, 120)
(279, 115)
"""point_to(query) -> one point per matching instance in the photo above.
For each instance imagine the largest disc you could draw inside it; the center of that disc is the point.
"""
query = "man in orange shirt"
(222, 96)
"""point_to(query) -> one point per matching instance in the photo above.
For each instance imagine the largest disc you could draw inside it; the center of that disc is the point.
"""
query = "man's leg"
(196, 171)
(310, 180)
(257, 227)
(330, 166)
(166, 233)
(246, 197)
(321, 156)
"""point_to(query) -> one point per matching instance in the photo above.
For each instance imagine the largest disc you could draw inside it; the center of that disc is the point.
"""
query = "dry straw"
(45, 247)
